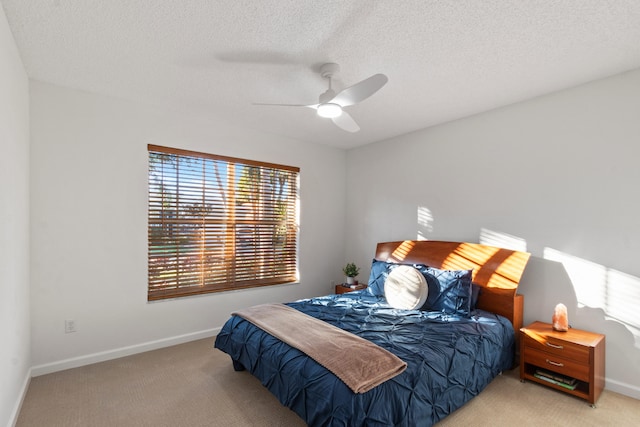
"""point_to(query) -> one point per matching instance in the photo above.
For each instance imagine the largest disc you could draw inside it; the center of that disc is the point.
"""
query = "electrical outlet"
(69, 326)
(333, 285)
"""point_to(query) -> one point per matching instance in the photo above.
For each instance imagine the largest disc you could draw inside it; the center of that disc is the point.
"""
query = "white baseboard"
(622, 388)
(102, 356)
(23, 393)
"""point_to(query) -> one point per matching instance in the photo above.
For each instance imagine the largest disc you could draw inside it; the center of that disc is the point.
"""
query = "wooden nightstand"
(342, 289)
(573, 355)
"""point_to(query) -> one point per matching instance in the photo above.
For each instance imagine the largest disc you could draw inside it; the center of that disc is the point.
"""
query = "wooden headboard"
(497, 270)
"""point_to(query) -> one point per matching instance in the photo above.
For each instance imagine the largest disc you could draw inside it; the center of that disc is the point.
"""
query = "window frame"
(273, 227)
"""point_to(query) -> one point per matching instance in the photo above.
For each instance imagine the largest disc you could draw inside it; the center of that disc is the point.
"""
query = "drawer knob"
(551, 362)
(554, 345)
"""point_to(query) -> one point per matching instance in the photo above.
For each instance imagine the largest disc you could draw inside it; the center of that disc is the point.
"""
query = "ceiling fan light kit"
(331, 105)
(329, 110)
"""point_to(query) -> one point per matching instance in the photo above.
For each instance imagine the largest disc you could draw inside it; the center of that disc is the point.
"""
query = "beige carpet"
(194, 384)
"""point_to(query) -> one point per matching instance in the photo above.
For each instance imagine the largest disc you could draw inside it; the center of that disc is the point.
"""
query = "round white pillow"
(406, 288)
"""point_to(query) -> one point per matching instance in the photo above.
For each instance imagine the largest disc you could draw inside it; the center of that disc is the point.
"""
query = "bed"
(452, 347)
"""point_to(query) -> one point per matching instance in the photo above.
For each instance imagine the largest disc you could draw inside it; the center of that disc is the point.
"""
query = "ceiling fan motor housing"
(326, 96)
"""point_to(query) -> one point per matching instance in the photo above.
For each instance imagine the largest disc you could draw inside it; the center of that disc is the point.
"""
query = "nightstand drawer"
(557, 364)
(577, 353)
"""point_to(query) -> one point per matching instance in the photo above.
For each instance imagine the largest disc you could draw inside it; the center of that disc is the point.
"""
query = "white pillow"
(406, 288)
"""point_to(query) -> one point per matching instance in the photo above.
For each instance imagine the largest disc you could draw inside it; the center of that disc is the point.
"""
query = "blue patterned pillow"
(450, 291)
(379, 273)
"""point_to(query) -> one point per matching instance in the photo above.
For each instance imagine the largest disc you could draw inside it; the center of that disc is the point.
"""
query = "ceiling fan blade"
(315, 106)
(345, 122)
(360, 91)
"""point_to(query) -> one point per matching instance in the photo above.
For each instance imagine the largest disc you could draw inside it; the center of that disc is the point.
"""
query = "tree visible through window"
(219, 223)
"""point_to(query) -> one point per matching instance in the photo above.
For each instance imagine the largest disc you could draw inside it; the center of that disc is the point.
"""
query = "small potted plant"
(351, 271)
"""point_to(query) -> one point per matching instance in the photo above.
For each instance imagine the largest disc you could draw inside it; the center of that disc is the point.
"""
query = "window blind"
(219, 223)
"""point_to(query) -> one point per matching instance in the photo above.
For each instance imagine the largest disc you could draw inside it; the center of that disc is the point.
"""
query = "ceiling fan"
(331, 104)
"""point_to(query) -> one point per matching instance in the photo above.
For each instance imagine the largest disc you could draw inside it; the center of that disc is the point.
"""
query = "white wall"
(89, 224)
(15, 358)
(559, 173)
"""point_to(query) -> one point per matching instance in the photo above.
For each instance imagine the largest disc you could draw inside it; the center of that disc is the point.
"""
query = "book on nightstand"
(560, 380)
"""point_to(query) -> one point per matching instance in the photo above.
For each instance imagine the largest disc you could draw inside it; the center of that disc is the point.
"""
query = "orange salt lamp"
(560, 319)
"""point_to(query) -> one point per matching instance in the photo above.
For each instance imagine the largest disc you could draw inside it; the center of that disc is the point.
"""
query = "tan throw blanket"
(360, 364)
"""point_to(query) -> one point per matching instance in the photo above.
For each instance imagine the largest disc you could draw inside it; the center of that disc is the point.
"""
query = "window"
(219, 223)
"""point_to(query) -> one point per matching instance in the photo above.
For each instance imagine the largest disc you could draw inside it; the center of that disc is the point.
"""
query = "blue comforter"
(450, 359)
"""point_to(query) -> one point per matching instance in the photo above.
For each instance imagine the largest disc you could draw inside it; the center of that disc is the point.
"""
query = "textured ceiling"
(445, 59)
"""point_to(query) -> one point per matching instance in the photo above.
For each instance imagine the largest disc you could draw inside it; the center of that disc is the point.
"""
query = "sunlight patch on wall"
(623, 297)
(597, 286)
(502, 240)
(588, 278)
(425, 223)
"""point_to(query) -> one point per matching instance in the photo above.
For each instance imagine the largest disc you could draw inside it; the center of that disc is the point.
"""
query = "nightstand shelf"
(574, 354)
